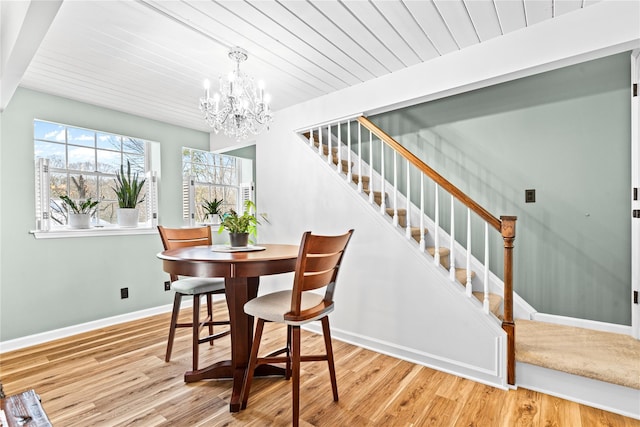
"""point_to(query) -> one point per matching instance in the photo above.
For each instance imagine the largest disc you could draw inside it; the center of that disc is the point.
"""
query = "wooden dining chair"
(317, 267)
(193, 286)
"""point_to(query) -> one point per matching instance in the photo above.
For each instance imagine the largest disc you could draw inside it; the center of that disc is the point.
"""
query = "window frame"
(45, 225)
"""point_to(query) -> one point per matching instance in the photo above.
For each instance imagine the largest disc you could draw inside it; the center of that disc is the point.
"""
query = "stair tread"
(495, 301)
(401, 212)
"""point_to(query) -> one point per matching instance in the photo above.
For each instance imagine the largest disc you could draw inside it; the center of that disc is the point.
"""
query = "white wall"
(388, 298)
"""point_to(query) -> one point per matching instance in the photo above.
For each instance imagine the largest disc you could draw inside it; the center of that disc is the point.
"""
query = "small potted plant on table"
(128, 189)
(240, 226)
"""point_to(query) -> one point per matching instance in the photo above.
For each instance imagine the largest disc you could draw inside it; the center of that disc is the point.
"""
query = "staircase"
(439, 244)
(461, 274)
(363, 162)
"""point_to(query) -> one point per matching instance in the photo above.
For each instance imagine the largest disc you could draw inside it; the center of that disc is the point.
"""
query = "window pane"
(108, 141)
(108, 161)
(82, 186)
(48, 131)
(54, 152)
(82, 137)
(107, 213)
(132, 145)
(58, 184)
(137, 164)
(106, 188)
(81, 159)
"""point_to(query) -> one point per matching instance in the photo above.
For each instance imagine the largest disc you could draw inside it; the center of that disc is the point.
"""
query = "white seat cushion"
(197, 285)
(272, 307)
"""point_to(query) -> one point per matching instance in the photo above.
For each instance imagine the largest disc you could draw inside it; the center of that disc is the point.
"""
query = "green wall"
(48, 284)
(566, 134)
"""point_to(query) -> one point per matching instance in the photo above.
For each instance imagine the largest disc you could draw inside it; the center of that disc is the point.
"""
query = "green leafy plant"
(245, 223)
(128, 187)
(85, 207)
(212, 208)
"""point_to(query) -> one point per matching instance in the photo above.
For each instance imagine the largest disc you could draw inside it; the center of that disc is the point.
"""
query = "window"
(208, 176)
(81, 163)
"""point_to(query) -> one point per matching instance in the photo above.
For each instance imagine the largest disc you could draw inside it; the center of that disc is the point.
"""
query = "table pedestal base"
(224, 371)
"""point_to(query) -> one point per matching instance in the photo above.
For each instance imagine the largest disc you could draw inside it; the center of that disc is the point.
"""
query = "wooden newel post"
(508, 231)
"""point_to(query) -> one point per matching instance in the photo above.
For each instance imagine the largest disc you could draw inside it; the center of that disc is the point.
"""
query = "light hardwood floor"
(117, 377)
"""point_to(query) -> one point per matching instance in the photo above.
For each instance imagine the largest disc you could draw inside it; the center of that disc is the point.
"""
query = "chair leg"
(210, 318)
(172, 327)
(329, 348)
(287, 372)
(253, 361)
(196, 331)
(295, 384)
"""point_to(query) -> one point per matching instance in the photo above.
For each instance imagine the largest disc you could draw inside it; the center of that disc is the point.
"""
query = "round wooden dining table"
(241, 271)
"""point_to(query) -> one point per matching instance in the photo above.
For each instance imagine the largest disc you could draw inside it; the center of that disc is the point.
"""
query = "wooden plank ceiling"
(150, 58)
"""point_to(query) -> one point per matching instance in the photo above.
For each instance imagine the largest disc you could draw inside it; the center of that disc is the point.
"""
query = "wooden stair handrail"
(506, 225)
(427, 170)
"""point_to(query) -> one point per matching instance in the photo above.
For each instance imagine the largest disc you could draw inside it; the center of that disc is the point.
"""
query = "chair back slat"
(316, 262)
(173, 238)
(317, 280)
(317, 267)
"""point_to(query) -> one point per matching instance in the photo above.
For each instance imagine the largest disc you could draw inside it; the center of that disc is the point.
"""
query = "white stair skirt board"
(602, 395)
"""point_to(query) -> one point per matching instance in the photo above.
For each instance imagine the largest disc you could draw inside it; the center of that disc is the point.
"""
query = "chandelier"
(240, 108)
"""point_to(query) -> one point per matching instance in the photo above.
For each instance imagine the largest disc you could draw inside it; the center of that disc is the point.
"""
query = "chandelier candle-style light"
(240, 107)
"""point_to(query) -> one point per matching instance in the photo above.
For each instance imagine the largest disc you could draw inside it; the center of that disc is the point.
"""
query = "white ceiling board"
(383, 31)
(314, 42)
(398, 15)
(538, 11)
(560, 7)
(336, 36)
(455, 15)
(433, 25)
(150, 57)
(359, 33)
(511, 15)
(484, 18)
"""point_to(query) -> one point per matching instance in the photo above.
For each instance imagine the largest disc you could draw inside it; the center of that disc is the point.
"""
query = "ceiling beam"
(23, 26)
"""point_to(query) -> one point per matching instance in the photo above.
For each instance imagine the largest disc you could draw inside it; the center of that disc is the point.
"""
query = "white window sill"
(60, 233)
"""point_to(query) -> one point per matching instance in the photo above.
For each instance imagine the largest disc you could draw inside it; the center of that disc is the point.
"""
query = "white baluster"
(371, 199)
(436, 238)
(320, 141)
(349, 173)
(395, 188)
(469, 287)
(383, 206)
(422, 242)
(360, 158)
(329, 153)
(485, 304)
(452, 239)
(408, 229)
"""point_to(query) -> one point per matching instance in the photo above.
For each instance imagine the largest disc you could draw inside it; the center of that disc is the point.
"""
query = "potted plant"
(79, 213)
(128, 188)
(240, 226)
(212, 208)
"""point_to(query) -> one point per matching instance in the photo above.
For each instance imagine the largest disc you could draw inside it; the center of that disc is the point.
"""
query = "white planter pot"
(128, 217)
(80, 220)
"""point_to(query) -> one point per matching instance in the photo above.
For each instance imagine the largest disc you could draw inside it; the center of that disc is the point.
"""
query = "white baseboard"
(43, 337)
(582, 323)
(602, 395)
